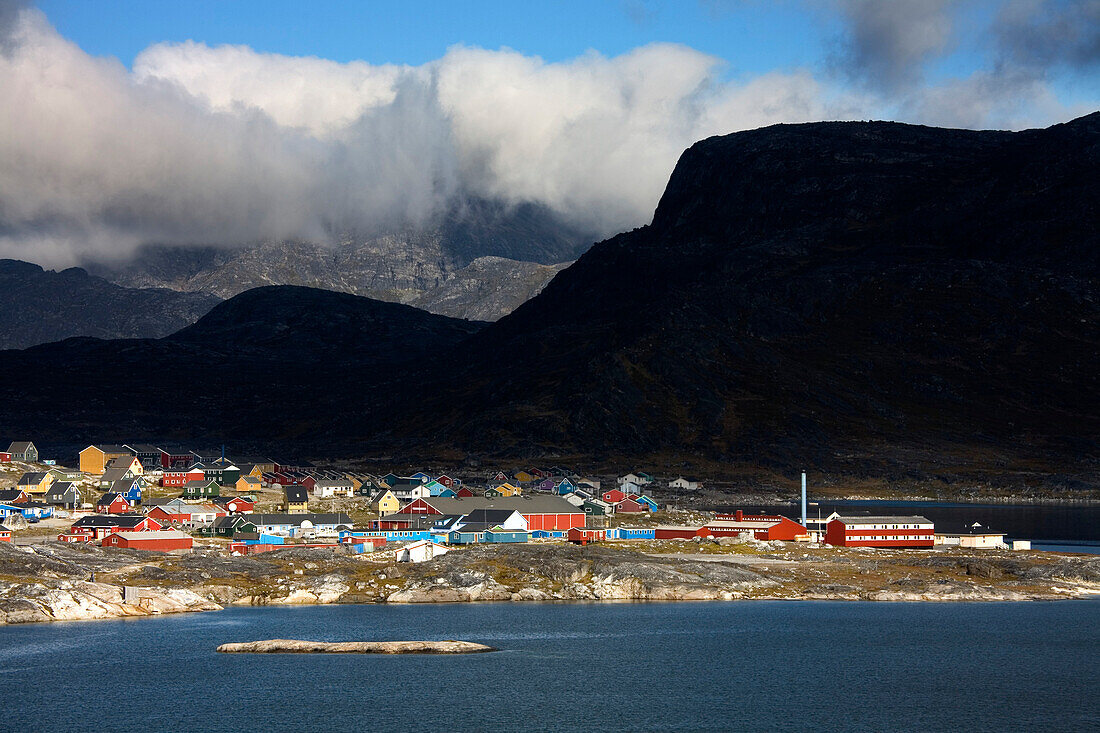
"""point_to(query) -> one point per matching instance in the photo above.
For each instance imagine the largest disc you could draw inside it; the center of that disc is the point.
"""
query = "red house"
(448, 481)
(237, 505)
(464, 492)
(762, 526)
(180, 476)
(163, 540)
(614, 496)
(629, 506)
(96, 527)
(112, 503)
(880, 532)
(669, 532)
(582, 535)
(5, 535)
(5, 457)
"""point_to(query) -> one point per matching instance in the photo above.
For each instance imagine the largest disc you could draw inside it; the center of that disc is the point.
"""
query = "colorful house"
(687, 484)
(161, 540)
(880, 531)
(112, 503)
(64, 494)
(203, 489)
(613, 496)
(248, 484)
(762, 526)
(584, 535)
(94, 458)
(96, 527)
(13, 496)
(295, 499)
(499, 535)
(22, 451)
(384, 503)
(35, 483)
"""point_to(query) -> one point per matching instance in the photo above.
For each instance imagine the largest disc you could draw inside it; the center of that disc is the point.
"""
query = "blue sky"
(753, 37)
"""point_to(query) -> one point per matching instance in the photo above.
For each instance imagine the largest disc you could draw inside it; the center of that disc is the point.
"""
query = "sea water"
(571, 667)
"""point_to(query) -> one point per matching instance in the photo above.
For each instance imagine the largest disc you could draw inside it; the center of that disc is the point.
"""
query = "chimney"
(738, 515)
(804, 499)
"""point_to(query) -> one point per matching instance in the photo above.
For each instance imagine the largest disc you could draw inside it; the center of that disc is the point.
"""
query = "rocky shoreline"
(53, 581)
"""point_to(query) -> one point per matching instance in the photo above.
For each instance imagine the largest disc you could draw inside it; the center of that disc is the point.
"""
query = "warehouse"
(163, 540)
(881, 531)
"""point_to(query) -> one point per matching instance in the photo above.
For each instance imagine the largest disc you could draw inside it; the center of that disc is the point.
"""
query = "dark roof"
(297, 519)
(30, 478)
(296, 493)
(61, 488)
(145, 448)
(111, 448)
(109, 497)
(19, 446)
(489, 516)
(233, 520)
(199, 484)
(123, 485)
(111, 520)
(12, 494)
(473, 527)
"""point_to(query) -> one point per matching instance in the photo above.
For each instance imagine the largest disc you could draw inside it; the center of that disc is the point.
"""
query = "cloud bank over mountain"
(225, 145)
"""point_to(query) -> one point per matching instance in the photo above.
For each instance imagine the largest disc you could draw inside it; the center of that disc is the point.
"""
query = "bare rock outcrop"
(296, 646)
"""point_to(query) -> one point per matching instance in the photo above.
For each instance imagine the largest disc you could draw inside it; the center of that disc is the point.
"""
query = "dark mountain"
(866, 297)
(271, 364)
(476, 246)
(37, 306)
(823, 294)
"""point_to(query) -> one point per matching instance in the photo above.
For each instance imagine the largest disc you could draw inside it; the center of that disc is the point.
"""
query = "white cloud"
(226, 145)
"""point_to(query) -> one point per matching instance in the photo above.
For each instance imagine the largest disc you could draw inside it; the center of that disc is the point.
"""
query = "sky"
(226, 122)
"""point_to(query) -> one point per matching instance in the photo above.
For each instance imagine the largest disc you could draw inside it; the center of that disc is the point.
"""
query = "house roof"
(114, 473)
(121, 462)
(156, 534)
(13, 494)
(123, 485)
(31, 479)
(112, 520)
(296, 493)
(110, 448)
(199, 484)
(109, 498)
(144, 448)
(883, 520)
(538, 504)
(19, 446)
(233, 520)
(251, 480)
(489, 516)
(297, 519)
(337, 483)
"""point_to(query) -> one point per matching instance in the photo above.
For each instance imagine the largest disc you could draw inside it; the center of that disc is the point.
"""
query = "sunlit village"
(146, 497)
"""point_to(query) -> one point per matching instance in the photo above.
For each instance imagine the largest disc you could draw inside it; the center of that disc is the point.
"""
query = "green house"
(201, 489)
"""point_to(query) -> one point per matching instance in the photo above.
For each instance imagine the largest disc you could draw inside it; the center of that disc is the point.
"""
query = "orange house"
(94, 458)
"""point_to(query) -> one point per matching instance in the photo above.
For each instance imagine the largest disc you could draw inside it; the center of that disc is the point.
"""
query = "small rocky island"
(297, 646)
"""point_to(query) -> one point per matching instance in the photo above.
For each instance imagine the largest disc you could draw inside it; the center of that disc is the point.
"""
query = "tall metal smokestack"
(804, 499)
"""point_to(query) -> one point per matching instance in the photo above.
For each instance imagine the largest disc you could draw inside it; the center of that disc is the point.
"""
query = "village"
(170, 499)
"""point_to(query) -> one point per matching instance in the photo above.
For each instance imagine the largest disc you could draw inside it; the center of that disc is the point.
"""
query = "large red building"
(163, 540)
(547, 513)
(762, 526)
(880, 532)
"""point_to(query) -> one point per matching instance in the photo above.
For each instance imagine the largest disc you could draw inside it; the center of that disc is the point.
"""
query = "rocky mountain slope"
(37, 306)
(876, 298)
(478, 262)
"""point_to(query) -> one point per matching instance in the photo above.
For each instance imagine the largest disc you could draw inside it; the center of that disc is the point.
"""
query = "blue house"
(422, 476)
(543, 534)
(501, 535)
(465, 536)
(630, 533)
(565, 486)
(129, 488)
(7, 510)
(643, 499)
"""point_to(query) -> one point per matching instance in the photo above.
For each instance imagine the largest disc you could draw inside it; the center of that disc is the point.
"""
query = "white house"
(419, 551)
(685, 483)
(973, 535)
(329, 488)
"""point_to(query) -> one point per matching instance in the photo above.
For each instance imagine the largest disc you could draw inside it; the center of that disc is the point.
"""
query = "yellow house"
(296, 499)
(248, 484)
(94, 458)
(130, 463)
(36, 483)
(505, 490)
(523, 477)
(384, 502)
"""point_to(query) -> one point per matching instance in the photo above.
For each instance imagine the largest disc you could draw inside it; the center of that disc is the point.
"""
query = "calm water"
(571, 667)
